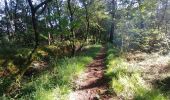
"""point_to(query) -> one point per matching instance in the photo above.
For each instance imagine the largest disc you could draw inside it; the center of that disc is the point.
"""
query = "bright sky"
(2, 2)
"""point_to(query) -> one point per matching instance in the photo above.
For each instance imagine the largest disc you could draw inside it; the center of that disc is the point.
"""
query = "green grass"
(127, 82)
(146, 94)
(55, 83)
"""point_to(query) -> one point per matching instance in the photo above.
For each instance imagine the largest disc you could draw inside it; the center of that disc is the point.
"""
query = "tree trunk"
(112, 30)
(34, 24)
(142, 26)
(87, 21)
(71, 26)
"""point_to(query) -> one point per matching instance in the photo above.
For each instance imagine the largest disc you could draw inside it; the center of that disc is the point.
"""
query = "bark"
(15, 15)
(27, 63)
(49, 38)
(142, 26)
(163, 16)
(10, 22)
(51, 26)
(59, 14)
(71, 16)
(71, 12)
(112, 30)
(87, 19)
(58, 4)
(34, 21)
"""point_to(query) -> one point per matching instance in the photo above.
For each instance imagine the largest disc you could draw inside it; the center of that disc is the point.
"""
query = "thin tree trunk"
(112, 30)
(142, 26)
(87, 20)
(71, 26)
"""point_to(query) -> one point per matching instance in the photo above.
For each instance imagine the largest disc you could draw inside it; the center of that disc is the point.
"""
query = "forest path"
(92, 84)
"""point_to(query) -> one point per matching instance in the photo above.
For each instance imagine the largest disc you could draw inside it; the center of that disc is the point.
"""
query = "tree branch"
(41, 4)
(42, 10)
(30, 3)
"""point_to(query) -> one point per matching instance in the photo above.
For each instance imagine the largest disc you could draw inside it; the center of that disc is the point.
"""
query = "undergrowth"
(128, 82)
(56, 82)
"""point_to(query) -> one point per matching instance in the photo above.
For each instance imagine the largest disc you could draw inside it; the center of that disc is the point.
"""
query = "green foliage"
(127, 82)
(141, 25)
(55, 83)
(144, 94)
(138, 28)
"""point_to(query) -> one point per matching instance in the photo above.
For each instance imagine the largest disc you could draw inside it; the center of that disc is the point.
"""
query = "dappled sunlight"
(153, 66)
(56, 82)
(129, 76)
(84, 49)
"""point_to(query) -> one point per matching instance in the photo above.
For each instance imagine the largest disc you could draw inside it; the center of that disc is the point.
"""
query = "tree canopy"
(46, 30)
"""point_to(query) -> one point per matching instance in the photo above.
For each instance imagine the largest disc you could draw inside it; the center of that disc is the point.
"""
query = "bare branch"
(41, 4)
(30, 3)
(42, 10)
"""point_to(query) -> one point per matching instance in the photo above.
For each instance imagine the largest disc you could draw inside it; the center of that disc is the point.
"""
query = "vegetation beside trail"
(46, 44)
(127, 81)
(56, 82)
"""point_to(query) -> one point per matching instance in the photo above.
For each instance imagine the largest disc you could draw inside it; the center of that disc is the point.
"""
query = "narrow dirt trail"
(92, 85)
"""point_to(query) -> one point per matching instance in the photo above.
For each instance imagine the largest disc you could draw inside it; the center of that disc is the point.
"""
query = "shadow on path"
(92, 84)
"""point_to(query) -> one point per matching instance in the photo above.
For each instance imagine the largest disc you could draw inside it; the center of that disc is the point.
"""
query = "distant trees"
(70, 24)
(71, 20)
(86, 4)
(113, 23)
(33, 14)
(139, 24)
(127, 23)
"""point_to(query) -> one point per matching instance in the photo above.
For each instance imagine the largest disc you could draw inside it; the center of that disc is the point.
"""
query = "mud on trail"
(92, 84)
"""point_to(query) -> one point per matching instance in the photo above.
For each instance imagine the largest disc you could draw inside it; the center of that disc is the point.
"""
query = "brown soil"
(92, 85)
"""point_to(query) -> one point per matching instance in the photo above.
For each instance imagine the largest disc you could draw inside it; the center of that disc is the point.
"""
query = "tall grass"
(127, 82)
(56, 83)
